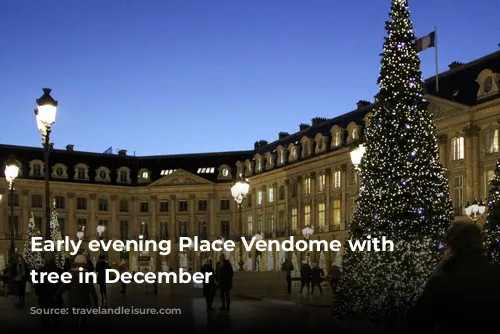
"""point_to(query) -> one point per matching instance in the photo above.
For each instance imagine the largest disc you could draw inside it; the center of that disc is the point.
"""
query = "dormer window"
(355, 134)
(102, 174)
(282, 157)
(123, 176)
(294, 153)
(337, 139)
(37, 170)
(81, 173)
(225, 172)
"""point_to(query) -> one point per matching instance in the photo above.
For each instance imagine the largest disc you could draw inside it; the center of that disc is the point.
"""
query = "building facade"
(301, 179)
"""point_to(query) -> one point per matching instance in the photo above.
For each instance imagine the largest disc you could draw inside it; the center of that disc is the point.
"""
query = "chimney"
(260, 143)
(455, 64)
(317, 120)
(69, 148)
(362, 103)
(303, 126)
(122, 152)
(282, 135)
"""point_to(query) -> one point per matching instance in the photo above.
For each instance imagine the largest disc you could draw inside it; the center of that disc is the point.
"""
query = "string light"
(492, 227)
(404, 193)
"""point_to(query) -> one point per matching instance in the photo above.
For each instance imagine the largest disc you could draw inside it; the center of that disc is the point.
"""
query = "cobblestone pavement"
(244, 315)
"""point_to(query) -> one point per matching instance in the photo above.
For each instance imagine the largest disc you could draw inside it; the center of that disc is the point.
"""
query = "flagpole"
(436, 54)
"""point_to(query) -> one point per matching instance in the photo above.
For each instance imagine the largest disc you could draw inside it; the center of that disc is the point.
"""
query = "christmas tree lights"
(2, 264)
(322, 262)
(296, 268)
(258, 263)
(404, 192)
(492, 227)
(55, 234)
(34, 260)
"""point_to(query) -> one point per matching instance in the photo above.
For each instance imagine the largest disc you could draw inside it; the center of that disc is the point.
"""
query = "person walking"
(46, 293)
(20, 275)
(287, 267)
(100, 269)
(334, 277)
(81, 295)
(317, 275)
(224, 273)
(123, 267)
(305, 276)
(209, 287)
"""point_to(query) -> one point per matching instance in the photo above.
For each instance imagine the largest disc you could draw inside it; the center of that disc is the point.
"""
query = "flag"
(426, 42)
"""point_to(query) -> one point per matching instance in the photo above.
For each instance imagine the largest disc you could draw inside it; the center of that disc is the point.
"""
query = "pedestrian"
(209, 287)
(20, 275)
(100, 269)
(67, 264)
(122, 268)
(305, 276)
(317, 276)
(334, 277)
(463, 296)
(287, 267)
(81, 295)
(224, 273)
(90, 265)
(46, 293)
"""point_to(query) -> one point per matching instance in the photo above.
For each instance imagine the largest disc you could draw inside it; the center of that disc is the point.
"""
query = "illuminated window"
(307, 215)
(492, 141)
(457, 145)
(321, 215)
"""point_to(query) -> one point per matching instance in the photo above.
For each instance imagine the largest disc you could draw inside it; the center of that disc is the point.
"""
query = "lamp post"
(11, 173)
(475, 211)
(239, 190)
(307, 232)
(357, 155)
(191, 258)
(100, 230)
(45, 115)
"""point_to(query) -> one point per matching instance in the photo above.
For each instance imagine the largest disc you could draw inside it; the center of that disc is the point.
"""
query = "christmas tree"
(2, 264)
(135, 268)
(258, 264)
(281, 258)
(296, 268)
(322, 262)
(55, 234)
(492, 226)
(338, 260)
(404, 193)
(152, 264)
(34, 260)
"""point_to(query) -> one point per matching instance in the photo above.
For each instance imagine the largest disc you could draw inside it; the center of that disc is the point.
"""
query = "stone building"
(304, 178)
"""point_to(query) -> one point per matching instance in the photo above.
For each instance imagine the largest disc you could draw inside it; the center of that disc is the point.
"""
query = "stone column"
(344, 201)
(286, 223)
(91, 223)
(472, 168)
(328, 201)
(154, 221)
(174, 230)
(192, 222)
(213, 216)
(71, 228)
(25, 216)
(265, 228)
(254, 228)
(443, 149)
(134, 211)
(300, 217)
(314, 204)
(275, 209)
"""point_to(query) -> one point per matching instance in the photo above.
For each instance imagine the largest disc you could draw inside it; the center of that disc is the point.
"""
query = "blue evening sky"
(183, 76)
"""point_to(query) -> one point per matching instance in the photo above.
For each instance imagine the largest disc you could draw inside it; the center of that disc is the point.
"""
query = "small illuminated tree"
(55, 233)
(33, 259)
(296, 268)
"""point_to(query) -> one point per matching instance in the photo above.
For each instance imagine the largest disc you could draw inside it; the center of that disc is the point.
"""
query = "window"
(203, 230)
(337, 179)
(123, 205)
(259, 197)
(352, 207)
(249, 225)
(294, 219)
(307, 186)
(225, 172)
(81, 203)
(38, 224)
(321, 183)
(183, 206)
(355, 133)
(294, 153)
(336, 214)
(492, 141)
(281, 192)
(258, 165)
(144, 207)
(306, 149)
(282, 158)
(321, 216)
(337, 139)
(36, 201)
(458, 201)
(224, 204)
(59, 202)
(123, 229)
(164, 231)
(457, 148)
(224, 229)
(123, 176)
(281, 220)
(259, 223)
(202, 205)
(102, 204)
(81, 173)
(270, 195)
(293, 189)
(37, 170)
(489, 175)
(163, 206)
(183, 228)
(62, 226)
(270, 222)
(249, 200)
(13, 200)
(307, 215)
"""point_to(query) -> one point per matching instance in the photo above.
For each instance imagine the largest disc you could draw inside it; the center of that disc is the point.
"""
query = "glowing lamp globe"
(11, 170)
(468, 209)
(46, 111)
(307, 231)
(258, 236)
(481, 207)
(79, 235)
(239, 190)
(357, 154)
(100, 229)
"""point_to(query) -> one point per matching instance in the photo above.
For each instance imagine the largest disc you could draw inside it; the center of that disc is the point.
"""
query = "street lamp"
(356, 156)
(100, 230)
(45, 115)
(11, 173)
(475, 210)
(239, 190)
(258, 236)
(307, 232)
(80, 233)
